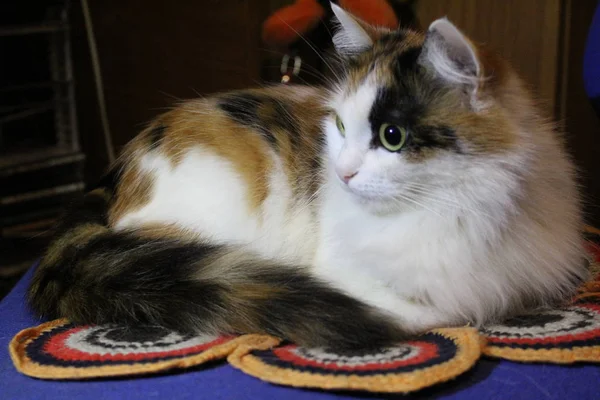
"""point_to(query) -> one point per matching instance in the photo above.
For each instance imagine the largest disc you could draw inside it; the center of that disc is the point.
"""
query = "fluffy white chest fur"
(415, 265)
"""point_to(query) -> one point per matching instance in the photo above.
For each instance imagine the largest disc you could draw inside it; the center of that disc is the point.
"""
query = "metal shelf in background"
(27, 112)
(20, 162)
(43, 167)
(20, 30)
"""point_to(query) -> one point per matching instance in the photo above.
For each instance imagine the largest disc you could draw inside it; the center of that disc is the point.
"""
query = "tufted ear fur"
(352, 35)
(451, 55)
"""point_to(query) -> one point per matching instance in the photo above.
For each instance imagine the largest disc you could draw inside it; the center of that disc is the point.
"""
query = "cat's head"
(415, 113)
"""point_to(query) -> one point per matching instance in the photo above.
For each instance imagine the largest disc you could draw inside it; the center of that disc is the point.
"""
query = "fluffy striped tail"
(92, 274)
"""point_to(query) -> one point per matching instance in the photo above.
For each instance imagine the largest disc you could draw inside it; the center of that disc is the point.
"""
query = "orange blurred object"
(284, 26)
(373, 12)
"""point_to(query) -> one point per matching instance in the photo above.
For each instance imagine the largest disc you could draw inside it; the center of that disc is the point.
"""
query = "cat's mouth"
(366, 194)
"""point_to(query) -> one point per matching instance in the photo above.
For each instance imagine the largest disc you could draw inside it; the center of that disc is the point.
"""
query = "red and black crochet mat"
(61, 350)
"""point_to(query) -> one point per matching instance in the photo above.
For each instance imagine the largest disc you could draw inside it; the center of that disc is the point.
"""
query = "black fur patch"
(149, 286)
(242, 108)
(156, 136)
(394, 106)
(399, 106)
(434, 137)
(305, 303)
(407, 60)
(262, 113)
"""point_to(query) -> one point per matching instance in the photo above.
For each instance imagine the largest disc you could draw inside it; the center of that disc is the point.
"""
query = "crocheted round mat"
(432, 358)
(565, 335)
(61, 350)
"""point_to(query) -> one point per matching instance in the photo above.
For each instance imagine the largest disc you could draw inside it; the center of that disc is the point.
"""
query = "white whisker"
(452, 203)
(417, 203)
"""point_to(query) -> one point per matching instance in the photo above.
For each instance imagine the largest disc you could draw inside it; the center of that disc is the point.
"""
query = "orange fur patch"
(199, 123)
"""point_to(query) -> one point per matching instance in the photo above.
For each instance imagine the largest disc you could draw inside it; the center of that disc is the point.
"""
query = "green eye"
(392, 137)
(340, 125)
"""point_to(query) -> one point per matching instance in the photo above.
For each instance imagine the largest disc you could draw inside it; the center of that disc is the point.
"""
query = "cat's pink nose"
(347, 178)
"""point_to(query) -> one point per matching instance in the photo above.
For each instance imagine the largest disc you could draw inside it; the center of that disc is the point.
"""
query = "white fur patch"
(205, 195)
(347, 152)
(202, 193)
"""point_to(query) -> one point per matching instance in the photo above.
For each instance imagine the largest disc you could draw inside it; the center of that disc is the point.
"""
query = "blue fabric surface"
(591, 60)
(489, 380)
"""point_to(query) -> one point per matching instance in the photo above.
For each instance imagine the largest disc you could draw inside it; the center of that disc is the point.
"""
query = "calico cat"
(423, 189)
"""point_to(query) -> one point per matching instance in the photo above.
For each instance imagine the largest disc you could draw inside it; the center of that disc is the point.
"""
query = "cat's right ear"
(352, 35)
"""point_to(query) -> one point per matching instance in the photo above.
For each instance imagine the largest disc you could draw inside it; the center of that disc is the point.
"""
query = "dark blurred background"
(53, 137)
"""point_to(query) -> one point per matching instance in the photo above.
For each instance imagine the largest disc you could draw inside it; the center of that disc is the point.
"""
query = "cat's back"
(236, 167)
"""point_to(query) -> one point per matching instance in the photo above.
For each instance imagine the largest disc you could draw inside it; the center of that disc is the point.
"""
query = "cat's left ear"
(451, 55)
(353, 35)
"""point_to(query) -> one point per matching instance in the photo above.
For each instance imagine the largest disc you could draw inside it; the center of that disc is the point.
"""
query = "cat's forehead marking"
(383, 57)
